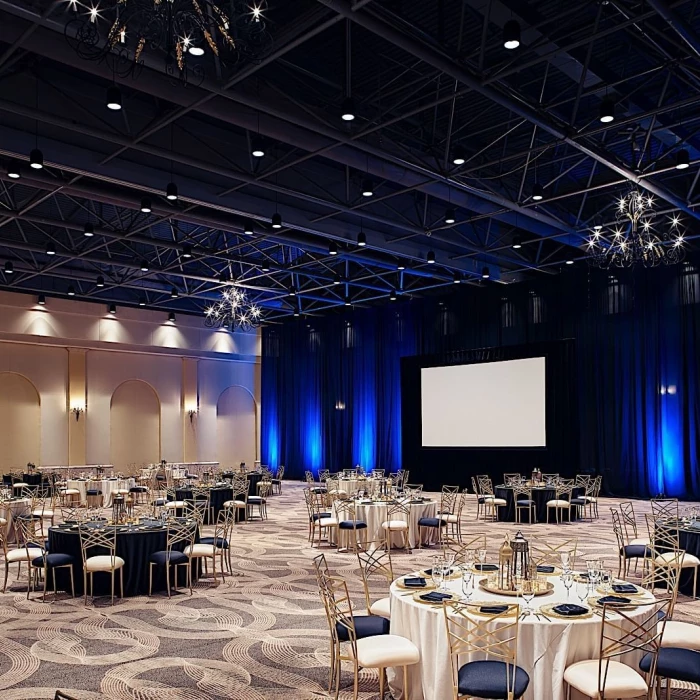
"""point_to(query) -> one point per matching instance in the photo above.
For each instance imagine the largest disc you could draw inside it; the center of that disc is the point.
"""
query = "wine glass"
(565, 561)
(467, 578)
(469, 557)
(567, 579)
(528, 594)
(582, 591)
(482, 558)
(449, 560)
(437, 574)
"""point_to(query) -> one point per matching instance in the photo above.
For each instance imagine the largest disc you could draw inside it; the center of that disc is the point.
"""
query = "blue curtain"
(331, 387)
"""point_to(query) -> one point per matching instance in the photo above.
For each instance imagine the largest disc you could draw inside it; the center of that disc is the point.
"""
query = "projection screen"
(489, 404)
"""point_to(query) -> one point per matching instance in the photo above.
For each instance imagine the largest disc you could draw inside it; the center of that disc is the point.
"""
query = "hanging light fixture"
(607, 110)
(276, 220)
(682, 159)
(265, 266)
(511, 34)
(450, 217)
(392, 295)
(457, 278)
(400, 266)
(332, 248)
(485, 273)
(257, 146)
(9, 268)
(171, 317)
(430, 258)
(113, 309)
(537, 192)
(347, 110)
(142, 301)
(187, 251)
(88, 230)
(367, 187)
(233, 311)
(13, 170)
(71, 291)
(41, 300)
(174, 294)
(146, 206)
(171, 192)
(50, 250)
(347, 301)
(458, 157)
(517, 243)
(144, 266)
(361, 239)
(36, 159)
(336, 279)
(100, 282)
(248, 227)
(114, 98)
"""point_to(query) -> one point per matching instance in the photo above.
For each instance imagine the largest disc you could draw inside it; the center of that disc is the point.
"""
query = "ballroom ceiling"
(428, 81)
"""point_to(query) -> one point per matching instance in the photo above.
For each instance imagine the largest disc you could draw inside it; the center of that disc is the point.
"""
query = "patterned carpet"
(260, 635)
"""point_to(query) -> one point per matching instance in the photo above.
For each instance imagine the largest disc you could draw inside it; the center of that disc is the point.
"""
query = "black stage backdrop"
(434, 466)
(331, 388)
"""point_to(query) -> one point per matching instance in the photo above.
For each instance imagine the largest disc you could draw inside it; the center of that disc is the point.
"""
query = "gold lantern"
(521, 556)
(505, 566)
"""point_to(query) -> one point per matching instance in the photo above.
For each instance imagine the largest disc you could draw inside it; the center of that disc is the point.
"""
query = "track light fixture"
(142, 301)
(450, 217)
(485, 273)
(174, 294)
(71, 291)
(13, 170)
(171, 192)
(187, 251)
(607, 110)
(682, 159)
(114, 98)
(50, 250)
(392, 296)
(361, 239)
(257, 146)
(517, 243)
(113, 309)
(144, 266)
(347, 110)
(88, 230)
(100, 282)
(9, 268)
(171, 317)
(511, 34)
(248, 227)
(537, 192)
(367, 188)
(36, 159)
(458, 157)
(332, 248)
(41, 300)
(277, 220)
(430, 258)
(146, 207)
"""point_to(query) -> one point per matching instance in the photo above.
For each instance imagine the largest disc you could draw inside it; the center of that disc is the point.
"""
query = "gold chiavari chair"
(210, 550)
(454, 516)
(511, 479)
(398, 517)
(495, 638)
(179, 535)
(259, 501)
(480, 500)
(239, 501)
(609, 676)
(277, 480)
(375, 562)
(592, 495)
(321, 517)
(26, 548)
(562, 500)
(491, 502)
(100, 538)
(380, 651)
(351, 530)
(460, 548)
(629, 524)
(523, 501)
(626, 552)
(548, 552)
(226, 519)
(664, 508)
(202, 495)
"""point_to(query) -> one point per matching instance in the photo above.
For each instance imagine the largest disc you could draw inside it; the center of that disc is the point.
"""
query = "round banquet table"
(134, 545)
(217, 497)
(10, 510)
(689, 537)
(375, 514)
(254, 478)
(352, 485)
(107, 486)
(540, 495)
(545, 648)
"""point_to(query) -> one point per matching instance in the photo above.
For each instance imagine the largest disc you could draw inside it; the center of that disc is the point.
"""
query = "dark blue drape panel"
(331, 388)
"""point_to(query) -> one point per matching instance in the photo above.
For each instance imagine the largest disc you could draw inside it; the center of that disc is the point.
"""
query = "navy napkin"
(570, 609)
(435, 597)
(614, 600)
(493, 609)
(542, 569)
(485, 567)
(585, 575)
(430, 572)
(414, 582)
(624, 588)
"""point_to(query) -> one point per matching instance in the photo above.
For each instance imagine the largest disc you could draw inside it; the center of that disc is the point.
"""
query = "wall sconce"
(77, 410)
(192, 412)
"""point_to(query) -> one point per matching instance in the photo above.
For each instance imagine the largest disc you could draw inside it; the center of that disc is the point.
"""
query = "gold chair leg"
(72, 581)
(381, 683)
(404, 695)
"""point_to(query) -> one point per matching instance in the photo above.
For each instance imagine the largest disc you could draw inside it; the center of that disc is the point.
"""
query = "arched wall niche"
(20, 422)
(236, 427)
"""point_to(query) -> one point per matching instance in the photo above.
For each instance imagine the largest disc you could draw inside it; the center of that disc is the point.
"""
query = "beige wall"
(119, 370)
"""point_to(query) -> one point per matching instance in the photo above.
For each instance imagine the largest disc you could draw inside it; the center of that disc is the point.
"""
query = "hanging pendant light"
(430, 258)
(114, 98)
(146, 207)
(257, 146)
(36, 159)
(682, 159)
(511, 34)
(607, 111)
(347, 110)
(367, 188)
(100, 282)
(171, 192)
(537, 192)
(450, 217)
(88, 230)
(13, 170)
(9, 268)
(361, 239)
(485, 273)
(248, 227)
(276, 220)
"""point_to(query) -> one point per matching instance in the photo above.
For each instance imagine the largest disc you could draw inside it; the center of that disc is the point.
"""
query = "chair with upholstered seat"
(277, 480)
(629, 525)
(665, 545)
(224, 522)
(179, 535)
(321, 516)
(448, 501)
(609, 676)
(523, 501)
(561, 501)
(454, 519)
(351, 643)
(352, 532)
(464, 549)
(172, 503)
(24, 551)
(211, 550)
(491, 502)
(102, 539)
(398, 515)
(93, 497)
(259, 501)
(375, 562)
(626, 552)
(238, 504)
(549, 551)
(664, 509)
(468, 633)
(43, 506)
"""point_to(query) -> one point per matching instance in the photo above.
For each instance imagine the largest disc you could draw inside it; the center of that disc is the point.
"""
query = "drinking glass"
(469, 557)
(582, 591)
(567, 579)
(467, 578)
(482, 557)
(607, 581)
(518, 585)
(438, 575)
(528, 594)
(565, 561)
(450, 560)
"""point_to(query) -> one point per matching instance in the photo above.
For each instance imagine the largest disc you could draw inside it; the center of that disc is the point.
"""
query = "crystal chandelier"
(637, 237)
(182, 32)
(235, 312)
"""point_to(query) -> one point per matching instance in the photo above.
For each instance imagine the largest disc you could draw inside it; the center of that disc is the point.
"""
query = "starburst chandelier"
(234, 312)
(638, 236)
(181, 32)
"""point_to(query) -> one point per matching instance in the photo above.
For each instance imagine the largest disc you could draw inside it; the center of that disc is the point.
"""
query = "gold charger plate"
(429, 585)
(593, 602)
(639, 593)
(548, 610)
(487, 604)
(557, 572)
(545, 588)
(417, 597)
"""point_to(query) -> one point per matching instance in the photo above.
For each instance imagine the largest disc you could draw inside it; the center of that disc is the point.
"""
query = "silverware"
(545, 617)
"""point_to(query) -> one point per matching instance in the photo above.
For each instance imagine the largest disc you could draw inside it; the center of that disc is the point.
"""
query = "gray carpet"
(260, 635)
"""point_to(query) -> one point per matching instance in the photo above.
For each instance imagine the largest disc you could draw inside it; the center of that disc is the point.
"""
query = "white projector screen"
(490, 404)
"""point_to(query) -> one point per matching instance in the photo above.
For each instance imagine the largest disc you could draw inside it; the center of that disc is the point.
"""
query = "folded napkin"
(435, 597)
(570, 609)
(624, 588)
(414, 582)
(493, 609)
(542, 569)
(430, 572)
(485, 567)
(613, 600)
(585, 575)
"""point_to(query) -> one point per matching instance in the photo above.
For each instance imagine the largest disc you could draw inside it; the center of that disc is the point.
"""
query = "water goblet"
(437, 575)
(469, 557)
(528, 594)
(567, 579)
(582, 591)
(482, 558)
(467, 577)
(565, 561)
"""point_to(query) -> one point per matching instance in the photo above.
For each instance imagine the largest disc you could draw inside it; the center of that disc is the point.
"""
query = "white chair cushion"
(640, 540)
(683, 635)
(689, 560)
(395, 525)
(175, 504)
(386, 650)
(451, 518)
(21, 554)
(201, 550)
(495, 502)
(591, 499)
(234, 504)
(327, 522)
(103, 562)
(556, 503)
(71, 492)
(621, 682)
(489, 498)
(382, 607)
(3, 521)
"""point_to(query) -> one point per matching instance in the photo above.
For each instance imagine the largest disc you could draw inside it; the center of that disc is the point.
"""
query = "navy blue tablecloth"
(540, 496)
(135, 547)
(690, 542)
(217, 498)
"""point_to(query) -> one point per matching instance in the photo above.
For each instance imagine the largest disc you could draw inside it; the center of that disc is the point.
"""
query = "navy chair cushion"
(678, 664)
(578, 501)
(159, 502)
(93, 492)
(481, 499)
(219, 542)
(256, 499)
(56, 559)
(365, 626)
(525, 502)
(161, 557)
(138, 489)
(318, 516)
(431, 522)
(352, 524)
(488, 679)
(636, 551)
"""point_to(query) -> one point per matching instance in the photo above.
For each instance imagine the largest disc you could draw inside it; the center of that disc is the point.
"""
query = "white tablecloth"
(545, 649)
(10, 510)
(107, 486)
(374, 515)
(352, 485)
